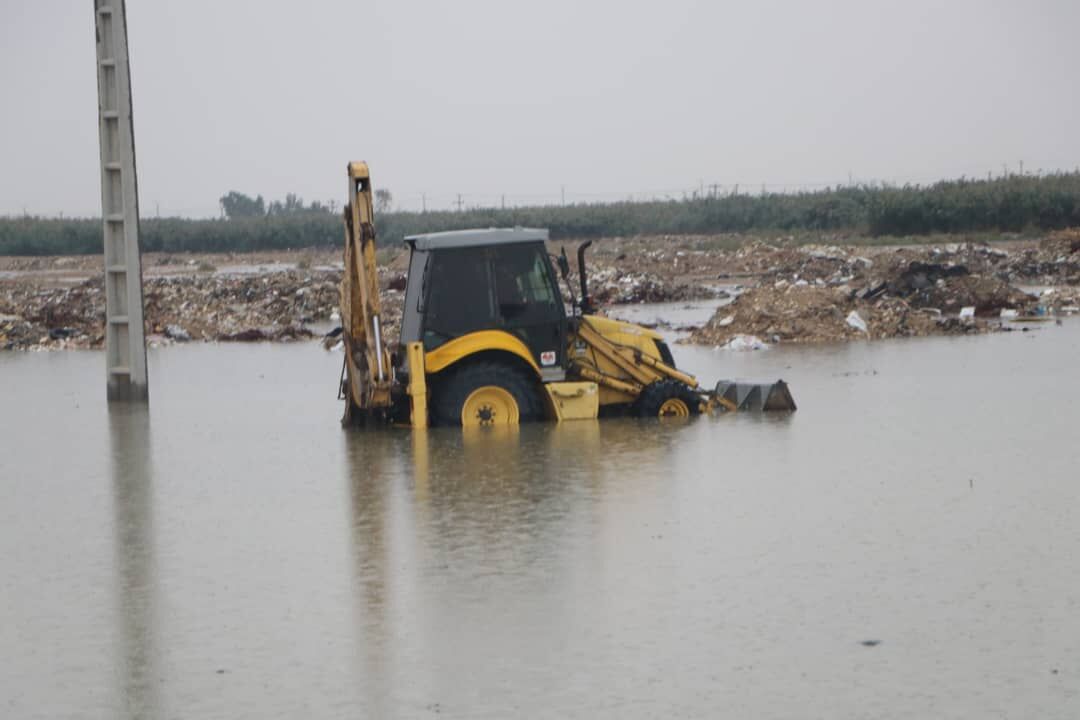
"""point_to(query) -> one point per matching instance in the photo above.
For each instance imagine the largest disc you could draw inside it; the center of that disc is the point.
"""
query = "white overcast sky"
(498, 97)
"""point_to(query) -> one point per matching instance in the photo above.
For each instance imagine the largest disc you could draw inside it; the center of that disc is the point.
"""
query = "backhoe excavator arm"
(367, 360)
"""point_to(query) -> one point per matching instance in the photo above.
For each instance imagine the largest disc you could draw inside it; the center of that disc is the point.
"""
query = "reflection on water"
(136, 584)
(234, 553)
(445, 522)
(369, 508)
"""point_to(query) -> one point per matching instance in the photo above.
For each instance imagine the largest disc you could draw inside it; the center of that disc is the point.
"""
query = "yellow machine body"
(481, 341)
(614, 360)
(573, 400)
(607, 362)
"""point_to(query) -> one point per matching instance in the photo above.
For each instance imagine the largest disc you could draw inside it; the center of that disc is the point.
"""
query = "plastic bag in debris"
(854, 319)
(744, 342)
(967, 313)
(176, 332)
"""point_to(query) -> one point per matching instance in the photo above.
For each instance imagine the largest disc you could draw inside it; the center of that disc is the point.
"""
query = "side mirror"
(564, 264)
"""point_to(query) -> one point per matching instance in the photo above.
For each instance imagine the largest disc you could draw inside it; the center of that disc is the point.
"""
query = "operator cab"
(497, 279)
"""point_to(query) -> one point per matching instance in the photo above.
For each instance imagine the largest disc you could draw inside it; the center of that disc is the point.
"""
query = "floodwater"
(904, 546)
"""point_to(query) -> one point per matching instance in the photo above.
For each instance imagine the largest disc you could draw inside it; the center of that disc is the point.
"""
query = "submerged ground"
(902, 546)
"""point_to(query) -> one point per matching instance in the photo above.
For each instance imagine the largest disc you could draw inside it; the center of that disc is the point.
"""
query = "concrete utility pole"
(125, 345)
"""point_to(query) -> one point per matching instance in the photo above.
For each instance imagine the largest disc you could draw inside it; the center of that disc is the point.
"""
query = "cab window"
(459, 298)
(524, 286)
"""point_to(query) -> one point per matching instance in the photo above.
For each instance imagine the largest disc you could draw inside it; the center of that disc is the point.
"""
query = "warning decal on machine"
(547, 358)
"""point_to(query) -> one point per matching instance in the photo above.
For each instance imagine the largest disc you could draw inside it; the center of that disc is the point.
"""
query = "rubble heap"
(795, 292)
(274, 306)
(828, 294)
(812, 313)
(612, 286)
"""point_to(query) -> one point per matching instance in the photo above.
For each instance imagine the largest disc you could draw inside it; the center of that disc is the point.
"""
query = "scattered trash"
(967, 313)
(855, 320)
(175, 332)
(744, 342)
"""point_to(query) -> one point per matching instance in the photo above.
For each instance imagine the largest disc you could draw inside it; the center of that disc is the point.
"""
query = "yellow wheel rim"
(489, 405)
(674, 407)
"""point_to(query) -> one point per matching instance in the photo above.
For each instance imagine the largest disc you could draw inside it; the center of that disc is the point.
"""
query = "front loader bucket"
(756, 396)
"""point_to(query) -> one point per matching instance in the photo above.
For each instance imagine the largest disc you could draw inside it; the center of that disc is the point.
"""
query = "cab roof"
(475, 238)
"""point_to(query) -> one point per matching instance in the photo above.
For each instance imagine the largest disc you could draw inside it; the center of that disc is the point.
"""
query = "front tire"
(486, 394)
(668, 398)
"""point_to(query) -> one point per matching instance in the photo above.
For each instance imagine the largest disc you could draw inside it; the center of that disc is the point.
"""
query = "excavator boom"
(368, 373)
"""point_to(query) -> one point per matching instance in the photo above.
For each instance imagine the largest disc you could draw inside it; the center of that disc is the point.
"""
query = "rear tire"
(668, 398)
(494, 393)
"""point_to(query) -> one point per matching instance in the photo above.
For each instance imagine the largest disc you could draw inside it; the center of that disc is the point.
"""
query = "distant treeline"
(1010, 204)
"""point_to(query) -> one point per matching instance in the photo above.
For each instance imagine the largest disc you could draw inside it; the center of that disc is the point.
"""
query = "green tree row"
(1009, 204)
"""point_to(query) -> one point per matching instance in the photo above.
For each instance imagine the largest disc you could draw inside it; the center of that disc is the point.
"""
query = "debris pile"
(1054, 261)
(612, 286)
(57, 318)
(274, 306)
(820, 294)
(814, 314)
(793, 293)
(1060, 300)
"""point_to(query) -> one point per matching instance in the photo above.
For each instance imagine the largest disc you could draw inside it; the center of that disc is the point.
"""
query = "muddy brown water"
(905, 545)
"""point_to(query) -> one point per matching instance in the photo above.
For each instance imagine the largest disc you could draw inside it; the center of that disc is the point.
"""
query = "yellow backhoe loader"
(486, 339)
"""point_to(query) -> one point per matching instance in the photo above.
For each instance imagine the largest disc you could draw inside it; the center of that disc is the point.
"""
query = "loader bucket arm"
(367, 360)
(639, 370)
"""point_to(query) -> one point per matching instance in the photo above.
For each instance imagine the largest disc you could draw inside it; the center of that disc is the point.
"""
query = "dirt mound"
(811, 313)
(1061, 243)
(789, 313)
(825, 293)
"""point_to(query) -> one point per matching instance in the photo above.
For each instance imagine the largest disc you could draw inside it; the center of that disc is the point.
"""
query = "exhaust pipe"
(586, 302)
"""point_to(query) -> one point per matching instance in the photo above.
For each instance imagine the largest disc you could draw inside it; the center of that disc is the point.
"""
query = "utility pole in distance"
(125, 344)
